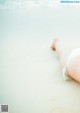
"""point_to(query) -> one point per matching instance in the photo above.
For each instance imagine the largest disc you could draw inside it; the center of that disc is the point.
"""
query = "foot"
(53, 46)
(54, 43)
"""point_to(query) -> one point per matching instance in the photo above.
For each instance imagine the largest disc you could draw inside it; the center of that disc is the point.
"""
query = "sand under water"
(30, 76)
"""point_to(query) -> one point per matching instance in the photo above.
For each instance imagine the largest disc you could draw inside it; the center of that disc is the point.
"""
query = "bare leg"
(73, 64)
(68, 51)
(56, 45)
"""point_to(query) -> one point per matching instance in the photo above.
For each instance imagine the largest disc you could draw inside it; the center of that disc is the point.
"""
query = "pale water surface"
(30, 76)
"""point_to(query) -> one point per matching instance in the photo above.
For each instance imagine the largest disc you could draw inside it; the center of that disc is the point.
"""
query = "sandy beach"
(30, 76)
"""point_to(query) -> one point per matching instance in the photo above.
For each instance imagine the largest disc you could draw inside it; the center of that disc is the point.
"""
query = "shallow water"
(31, 79)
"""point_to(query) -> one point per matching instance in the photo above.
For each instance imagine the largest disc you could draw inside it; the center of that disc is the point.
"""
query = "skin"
(64, 50)
(60, 50)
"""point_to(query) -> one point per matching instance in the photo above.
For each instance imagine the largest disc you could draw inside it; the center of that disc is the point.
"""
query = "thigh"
(64, 47)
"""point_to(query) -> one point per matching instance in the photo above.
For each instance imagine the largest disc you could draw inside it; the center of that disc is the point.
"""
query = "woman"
(69, 54)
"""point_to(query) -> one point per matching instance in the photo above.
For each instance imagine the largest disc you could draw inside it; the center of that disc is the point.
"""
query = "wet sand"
(30, 75)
